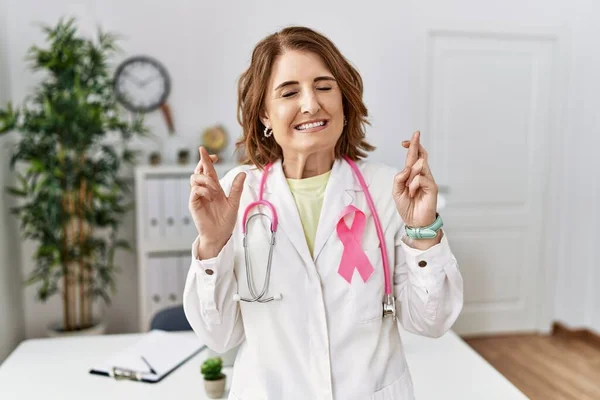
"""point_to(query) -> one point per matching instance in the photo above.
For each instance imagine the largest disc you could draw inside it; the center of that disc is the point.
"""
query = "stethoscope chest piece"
(389, 306)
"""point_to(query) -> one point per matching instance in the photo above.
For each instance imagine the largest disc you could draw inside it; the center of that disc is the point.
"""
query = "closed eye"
(322, 89)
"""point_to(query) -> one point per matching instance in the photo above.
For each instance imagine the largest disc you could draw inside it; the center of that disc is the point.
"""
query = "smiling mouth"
(311, 125)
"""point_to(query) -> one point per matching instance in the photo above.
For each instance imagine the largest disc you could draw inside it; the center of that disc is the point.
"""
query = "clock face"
(141, 84)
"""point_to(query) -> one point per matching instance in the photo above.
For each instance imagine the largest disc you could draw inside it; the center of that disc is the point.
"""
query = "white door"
(486, 101)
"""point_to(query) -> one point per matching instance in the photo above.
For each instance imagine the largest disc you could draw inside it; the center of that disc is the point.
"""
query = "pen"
(149, 366)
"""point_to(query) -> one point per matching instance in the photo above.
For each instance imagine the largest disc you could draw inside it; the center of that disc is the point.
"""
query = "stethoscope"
(389, 303)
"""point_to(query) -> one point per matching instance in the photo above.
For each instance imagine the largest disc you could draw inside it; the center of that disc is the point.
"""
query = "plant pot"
(215, 389)
(55, 330)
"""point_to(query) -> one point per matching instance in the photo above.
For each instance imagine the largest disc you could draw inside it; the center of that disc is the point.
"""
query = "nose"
(310, 103)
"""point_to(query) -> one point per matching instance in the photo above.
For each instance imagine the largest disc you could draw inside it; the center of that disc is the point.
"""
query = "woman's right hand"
(214, 213)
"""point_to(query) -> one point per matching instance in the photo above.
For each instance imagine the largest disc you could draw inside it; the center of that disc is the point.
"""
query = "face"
(303, 105)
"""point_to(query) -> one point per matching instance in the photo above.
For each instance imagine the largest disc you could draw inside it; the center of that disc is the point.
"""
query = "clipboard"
(151, 359)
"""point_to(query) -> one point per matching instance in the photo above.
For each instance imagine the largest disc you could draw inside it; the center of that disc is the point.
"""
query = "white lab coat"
(326, 338)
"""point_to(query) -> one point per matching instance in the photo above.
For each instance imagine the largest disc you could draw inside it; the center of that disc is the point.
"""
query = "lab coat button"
(208, 271)
(422, 263)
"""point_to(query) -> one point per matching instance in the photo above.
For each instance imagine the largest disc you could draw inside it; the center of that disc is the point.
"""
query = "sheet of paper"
(162, 350)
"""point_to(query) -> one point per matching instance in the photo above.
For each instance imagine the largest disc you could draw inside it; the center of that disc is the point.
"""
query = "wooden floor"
(545, 367)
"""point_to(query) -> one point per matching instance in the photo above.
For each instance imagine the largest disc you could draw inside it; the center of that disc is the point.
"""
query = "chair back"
(171, 319)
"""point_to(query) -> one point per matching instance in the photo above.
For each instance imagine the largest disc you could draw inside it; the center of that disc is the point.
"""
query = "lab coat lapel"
(278, 193)
(340, 192)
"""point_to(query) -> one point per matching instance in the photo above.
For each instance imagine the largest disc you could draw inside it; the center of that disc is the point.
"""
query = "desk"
(444, 368)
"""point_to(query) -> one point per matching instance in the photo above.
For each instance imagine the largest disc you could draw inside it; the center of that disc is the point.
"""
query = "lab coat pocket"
(368, 296)
(401, 388)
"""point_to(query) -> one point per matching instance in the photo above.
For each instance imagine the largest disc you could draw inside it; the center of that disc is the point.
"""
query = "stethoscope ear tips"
(237, 297)
(277, 296)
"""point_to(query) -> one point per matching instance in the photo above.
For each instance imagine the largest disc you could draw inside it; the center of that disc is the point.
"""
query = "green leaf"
(16, 192)
(8, 119)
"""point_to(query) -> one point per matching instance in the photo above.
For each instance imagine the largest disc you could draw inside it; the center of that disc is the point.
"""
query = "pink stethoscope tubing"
(389, 302)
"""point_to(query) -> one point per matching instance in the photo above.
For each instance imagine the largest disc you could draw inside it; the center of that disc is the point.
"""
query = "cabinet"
(164, 235)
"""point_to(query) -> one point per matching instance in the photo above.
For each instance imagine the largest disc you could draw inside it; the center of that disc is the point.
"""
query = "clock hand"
(147, 81)
(132, 78)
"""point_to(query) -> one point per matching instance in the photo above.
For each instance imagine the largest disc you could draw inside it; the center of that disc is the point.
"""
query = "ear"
(264, 118)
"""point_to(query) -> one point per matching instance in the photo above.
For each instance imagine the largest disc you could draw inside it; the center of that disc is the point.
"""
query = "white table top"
(444, 368)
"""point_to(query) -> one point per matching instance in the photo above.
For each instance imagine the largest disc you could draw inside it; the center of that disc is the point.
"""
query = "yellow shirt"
(308, 194)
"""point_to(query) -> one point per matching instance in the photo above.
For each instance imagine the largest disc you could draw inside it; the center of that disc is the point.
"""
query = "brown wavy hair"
(253, 83)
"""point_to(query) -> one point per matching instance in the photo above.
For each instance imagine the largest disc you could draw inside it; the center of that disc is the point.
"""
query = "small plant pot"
(215, 389)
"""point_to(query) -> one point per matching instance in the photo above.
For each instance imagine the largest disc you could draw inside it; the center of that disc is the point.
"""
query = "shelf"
(179, 246)
(162, 170)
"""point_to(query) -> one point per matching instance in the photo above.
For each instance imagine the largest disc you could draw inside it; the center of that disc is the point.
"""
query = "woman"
(319, 332)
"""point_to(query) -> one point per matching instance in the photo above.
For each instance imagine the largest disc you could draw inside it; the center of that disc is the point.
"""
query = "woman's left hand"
(415, 190)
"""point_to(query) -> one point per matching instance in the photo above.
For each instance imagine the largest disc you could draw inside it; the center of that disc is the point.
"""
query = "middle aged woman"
(346, 250)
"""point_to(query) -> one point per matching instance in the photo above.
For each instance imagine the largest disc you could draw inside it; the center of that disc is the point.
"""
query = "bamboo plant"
(73, 142)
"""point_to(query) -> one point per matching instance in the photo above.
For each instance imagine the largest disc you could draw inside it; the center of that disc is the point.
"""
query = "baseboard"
(561, 330)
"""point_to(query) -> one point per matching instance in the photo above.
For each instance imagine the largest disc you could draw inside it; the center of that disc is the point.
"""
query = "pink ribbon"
(353, 256)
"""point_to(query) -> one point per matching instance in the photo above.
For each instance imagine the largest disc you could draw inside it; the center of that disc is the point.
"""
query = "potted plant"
(214, 379)
(72, 198)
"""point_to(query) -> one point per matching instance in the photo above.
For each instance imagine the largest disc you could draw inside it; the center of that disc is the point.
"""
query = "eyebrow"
(317, 79)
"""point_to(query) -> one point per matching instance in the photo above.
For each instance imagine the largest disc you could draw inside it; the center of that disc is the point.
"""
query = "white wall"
(206, 45)
(11, 307)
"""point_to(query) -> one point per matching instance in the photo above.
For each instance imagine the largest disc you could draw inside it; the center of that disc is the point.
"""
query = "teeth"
(311, 125)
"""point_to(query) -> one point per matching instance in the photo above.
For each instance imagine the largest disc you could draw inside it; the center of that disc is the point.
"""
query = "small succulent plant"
(211, 369)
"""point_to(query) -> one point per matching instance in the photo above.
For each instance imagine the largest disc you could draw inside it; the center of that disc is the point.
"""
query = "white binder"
(154, 223)
(170, 268)
(155, 356)
(188, 229)
(156, 293)
(170, 197)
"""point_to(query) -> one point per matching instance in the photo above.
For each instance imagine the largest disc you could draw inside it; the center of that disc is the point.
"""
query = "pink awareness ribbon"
(353, 256)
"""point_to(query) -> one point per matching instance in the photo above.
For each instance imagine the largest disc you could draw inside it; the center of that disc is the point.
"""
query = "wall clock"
(141, 84)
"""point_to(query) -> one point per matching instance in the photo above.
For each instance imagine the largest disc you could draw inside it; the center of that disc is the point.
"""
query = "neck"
(300, 166)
